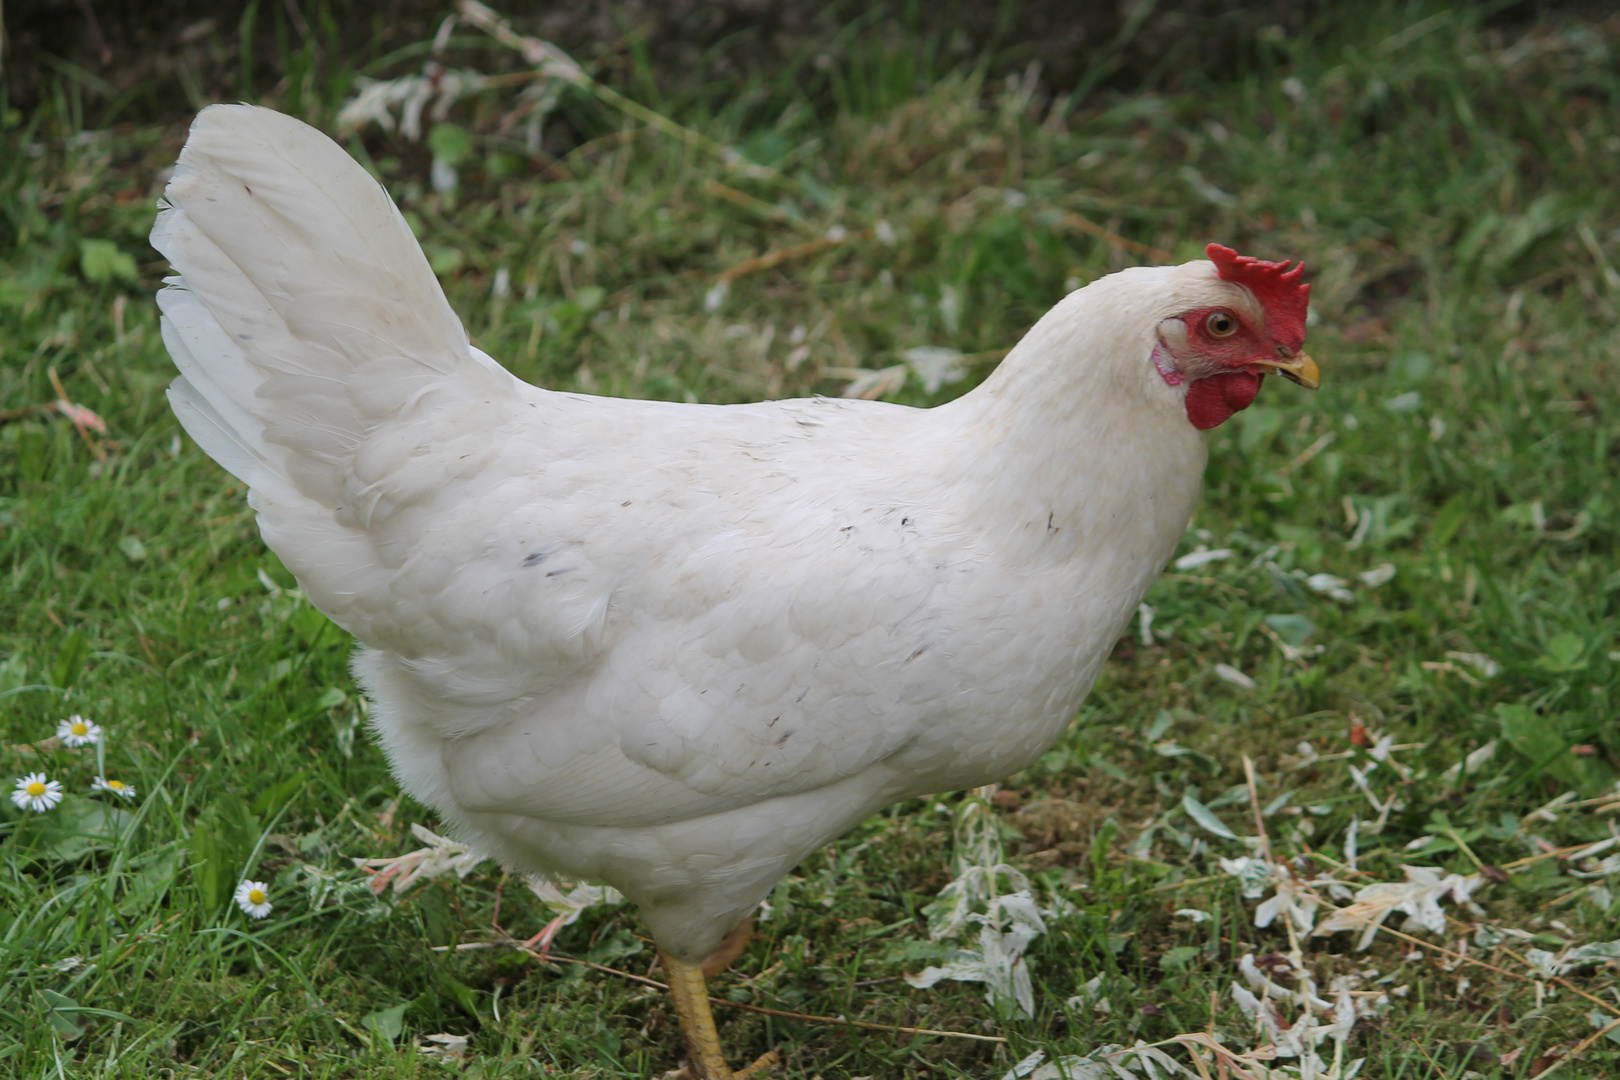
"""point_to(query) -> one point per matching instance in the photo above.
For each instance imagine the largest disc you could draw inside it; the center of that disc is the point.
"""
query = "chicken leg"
(731, 946)
(686, 986)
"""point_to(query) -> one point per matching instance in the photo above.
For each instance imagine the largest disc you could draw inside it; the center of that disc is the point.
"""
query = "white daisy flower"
(76, 731)
(34, 792)
(253, 897)
(117, 787)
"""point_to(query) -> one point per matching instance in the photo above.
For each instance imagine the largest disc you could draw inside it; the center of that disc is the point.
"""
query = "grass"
(1450, 188)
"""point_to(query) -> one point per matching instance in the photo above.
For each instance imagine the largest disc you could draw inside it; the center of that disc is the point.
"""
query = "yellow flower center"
(36, 789)
(255, 896)
(80, 728)
(116, 785)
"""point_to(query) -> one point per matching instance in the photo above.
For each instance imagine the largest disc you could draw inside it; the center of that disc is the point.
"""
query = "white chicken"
(675, 648)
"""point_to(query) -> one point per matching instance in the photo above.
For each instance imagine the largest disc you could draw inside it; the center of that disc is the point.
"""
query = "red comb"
(1278, 289)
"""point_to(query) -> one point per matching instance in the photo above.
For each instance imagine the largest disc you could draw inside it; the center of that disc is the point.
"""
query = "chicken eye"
(1221, 324)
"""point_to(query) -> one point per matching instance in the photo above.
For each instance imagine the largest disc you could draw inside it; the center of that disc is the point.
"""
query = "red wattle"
(1211, 401)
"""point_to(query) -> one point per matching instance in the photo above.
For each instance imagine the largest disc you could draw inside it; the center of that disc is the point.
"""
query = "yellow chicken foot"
(686, 986)
(731, 946)
(765, 1063)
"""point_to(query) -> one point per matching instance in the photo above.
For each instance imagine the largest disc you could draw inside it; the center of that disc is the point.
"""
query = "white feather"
(669, 647)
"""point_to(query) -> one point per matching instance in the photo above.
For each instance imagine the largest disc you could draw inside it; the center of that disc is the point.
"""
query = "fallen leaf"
(1378, 575)
(444, 1047)
(82, 416)
(871, 385)
(935, 366)
(1194, 559)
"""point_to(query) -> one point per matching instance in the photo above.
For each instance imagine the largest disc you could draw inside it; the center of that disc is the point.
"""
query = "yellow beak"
(1301, 369)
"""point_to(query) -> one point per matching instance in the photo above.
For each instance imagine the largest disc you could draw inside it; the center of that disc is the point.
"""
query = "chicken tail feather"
(303, 314)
